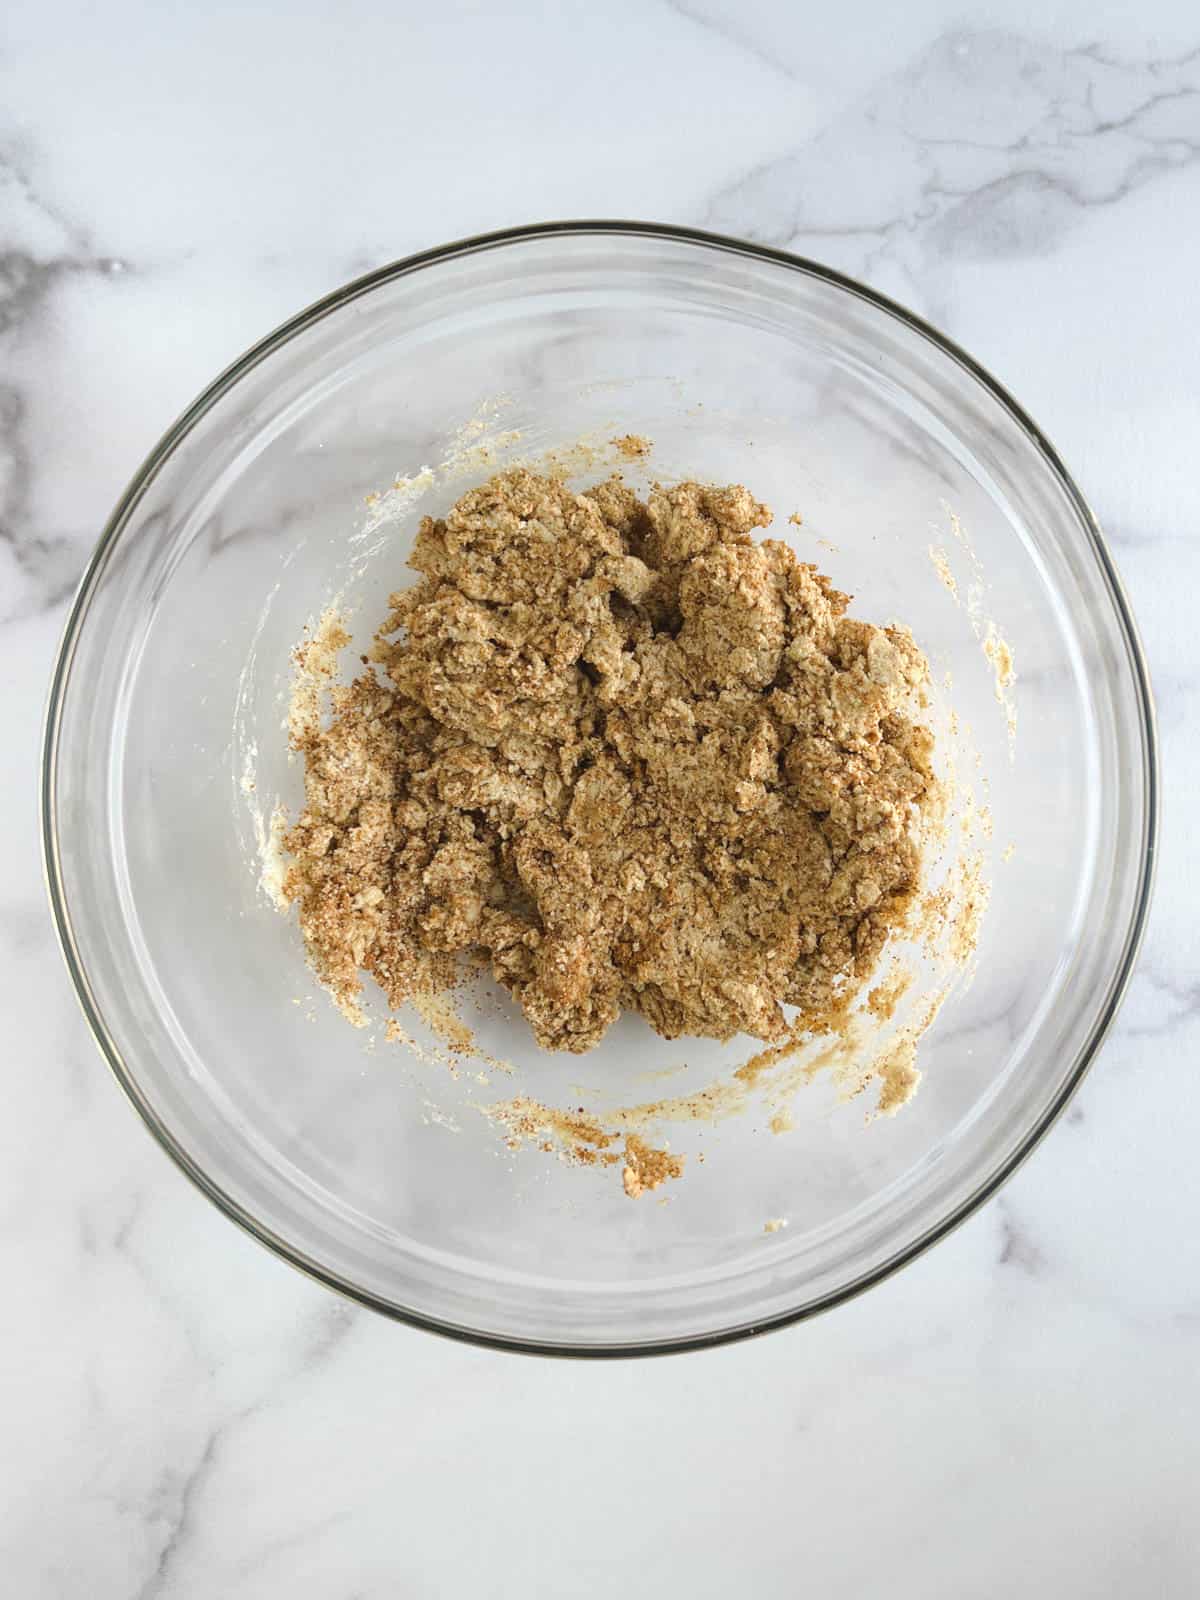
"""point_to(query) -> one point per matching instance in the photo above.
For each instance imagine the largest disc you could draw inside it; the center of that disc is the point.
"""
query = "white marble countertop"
(1017, 1412)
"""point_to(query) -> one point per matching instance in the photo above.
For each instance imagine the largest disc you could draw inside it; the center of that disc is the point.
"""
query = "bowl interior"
(380, 1170)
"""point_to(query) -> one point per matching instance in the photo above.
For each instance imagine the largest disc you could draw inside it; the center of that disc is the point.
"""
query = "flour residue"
(942, 570)
(274, 859)
(315, 664)
(436, 1011)
(996, 649)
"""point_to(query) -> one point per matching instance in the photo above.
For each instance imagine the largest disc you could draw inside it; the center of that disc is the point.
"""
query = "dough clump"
(626, 754)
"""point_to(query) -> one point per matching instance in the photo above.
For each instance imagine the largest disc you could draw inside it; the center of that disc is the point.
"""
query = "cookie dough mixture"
(629, 756)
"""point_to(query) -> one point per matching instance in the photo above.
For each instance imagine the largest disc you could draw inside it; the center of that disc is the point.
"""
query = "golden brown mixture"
(626, 754)
(646, 1168)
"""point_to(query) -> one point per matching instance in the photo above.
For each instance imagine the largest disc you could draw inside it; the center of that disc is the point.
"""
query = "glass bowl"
(373, 1169)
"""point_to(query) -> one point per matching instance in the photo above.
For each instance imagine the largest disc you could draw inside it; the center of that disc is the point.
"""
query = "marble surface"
(184, 1415)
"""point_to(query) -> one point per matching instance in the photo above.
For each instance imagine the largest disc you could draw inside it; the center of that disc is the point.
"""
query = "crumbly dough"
(627, 755)
(646, 1169)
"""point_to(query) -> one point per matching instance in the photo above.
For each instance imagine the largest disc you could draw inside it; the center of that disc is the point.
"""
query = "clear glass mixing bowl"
(373, 1171)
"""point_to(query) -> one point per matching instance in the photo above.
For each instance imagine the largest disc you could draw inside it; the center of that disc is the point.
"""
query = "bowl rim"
(174, 437)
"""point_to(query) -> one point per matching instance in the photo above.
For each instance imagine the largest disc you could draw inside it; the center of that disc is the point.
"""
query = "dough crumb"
(774, 1224)
(633, 446)
(646, 1168)
(899, 1075)
(941, 566)
(1000, 655)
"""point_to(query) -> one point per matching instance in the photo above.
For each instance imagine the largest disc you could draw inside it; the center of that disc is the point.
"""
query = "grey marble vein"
(1160, 1001)
(172, 1505)
(730, 30)
(1018, 1247)
(988, 146)
(48, 562)
(173, 1500)
(286, 1544)
(40, 250)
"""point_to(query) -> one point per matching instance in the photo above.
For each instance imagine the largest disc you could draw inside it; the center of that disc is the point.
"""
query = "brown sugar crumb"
(576, 1136)
(625, 754)
(633, 447)
(646, 1168)
(899, 1077)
